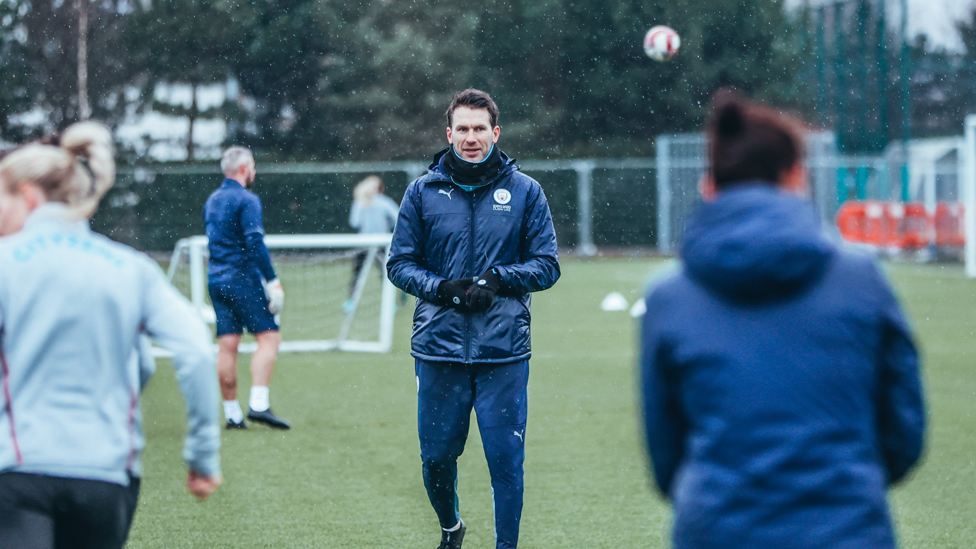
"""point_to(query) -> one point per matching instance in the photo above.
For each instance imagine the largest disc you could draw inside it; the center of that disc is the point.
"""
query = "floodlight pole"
(84, 108)
(822, 107)
(859, 66)
(882, 54)
(906, 105)
(840, 67)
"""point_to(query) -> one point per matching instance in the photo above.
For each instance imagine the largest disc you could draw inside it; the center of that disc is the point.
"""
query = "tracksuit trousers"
(447, 392)
(47, 512)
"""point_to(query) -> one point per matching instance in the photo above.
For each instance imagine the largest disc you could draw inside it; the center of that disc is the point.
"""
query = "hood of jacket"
(755, 243)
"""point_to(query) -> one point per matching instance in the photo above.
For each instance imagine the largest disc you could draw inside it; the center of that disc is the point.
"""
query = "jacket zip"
(471, 202)
(467, 316)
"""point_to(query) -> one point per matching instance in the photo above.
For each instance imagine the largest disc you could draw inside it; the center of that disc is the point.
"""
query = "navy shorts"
(241, 304)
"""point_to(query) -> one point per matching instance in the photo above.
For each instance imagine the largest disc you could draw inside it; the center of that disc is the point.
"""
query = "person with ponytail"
(74, 306)
(779, 378)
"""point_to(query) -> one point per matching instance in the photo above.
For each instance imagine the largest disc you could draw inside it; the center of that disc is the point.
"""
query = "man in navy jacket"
(474, 238)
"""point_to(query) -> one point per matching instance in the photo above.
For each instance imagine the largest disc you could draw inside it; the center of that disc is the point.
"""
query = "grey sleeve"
(172, 323)
(146, 360)
(392, 212)
(355, 215)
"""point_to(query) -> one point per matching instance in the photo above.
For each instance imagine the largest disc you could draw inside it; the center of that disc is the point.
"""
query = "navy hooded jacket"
(445, 233)
(781, 391)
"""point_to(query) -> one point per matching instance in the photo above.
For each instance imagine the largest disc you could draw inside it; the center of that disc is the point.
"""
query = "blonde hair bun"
(91, 144)
(78, 172)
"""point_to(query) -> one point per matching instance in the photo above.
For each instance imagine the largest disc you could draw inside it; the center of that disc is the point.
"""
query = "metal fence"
(682, 161)
(899, 175)
(596, 203)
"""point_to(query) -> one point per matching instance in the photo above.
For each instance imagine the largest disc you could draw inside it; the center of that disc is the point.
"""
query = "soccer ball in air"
(661, 43)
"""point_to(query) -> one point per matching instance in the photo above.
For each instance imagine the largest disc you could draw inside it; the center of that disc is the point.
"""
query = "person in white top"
(73, 307)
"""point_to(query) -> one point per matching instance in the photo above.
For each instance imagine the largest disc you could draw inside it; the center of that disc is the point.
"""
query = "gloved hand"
(453, 293)
(482, 293)
(275, 295)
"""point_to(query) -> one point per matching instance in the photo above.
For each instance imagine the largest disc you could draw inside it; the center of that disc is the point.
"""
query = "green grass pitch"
(348, 474)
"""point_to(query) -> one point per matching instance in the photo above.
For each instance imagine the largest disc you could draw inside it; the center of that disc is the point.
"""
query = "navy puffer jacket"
(781, 391)
(444, 232)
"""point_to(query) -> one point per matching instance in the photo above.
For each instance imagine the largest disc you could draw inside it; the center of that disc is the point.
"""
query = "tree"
(193, 42)
(358, 80)
(371, 80)
(40, 50)
(284, 69)
(17, 87)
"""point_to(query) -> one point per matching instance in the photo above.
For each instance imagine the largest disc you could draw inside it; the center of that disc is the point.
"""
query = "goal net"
(330, 304)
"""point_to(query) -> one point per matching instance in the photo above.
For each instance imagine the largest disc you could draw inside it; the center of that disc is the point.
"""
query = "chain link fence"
(595, 204)
(636, 203)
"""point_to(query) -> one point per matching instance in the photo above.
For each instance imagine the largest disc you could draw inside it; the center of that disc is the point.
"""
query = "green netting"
(152, 213)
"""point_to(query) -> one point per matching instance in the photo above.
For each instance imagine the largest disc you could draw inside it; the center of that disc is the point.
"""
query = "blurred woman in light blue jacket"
(72, 307)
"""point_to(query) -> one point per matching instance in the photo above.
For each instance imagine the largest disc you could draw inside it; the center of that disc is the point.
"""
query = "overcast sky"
(932, 17)
(936, 17)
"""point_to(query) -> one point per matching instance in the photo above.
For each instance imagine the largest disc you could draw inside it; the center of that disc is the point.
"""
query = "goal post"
(329, 305)
(969, 193)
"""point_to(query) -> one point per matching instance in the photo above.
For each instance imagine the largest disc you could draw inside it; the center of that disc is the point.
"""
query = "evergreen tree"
(40, 61)
(192, 42)
(17, 88)
(285, 68)
(370, 80)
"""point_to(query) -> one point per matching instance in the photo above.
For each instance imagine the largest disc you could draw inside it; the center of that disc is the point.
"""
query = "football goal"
(337, 296)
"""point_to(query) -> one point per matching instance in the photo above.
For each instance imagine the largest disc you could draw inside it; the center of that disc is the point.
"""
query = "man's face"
(249, 173)
(471, 134)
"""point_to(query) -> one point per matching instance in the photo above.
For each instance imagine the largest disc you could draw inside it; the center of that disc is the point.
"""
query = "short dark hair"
(473, 99)
(749, 142)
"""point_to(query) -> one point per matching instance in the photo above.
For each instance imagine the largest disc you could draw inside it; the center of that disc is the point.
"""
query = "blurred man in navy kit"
(244, 288)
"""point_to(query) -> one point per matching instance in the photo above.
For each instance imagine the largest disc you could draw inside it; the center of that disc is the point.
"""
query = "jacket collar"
(55, 213)
(436, 171)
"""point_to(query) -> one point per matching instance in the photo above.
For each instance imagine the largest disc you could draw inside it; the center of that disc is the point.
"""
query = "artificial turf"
(348, 473)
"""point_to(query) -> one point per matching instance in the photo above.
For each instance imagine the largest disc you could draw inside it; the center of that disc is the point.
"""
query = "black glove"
(453, 293)
(482, 293)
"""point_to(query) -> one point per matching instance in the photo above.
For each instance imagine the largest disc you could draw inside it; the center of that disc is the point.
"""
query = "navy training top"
(233, 218)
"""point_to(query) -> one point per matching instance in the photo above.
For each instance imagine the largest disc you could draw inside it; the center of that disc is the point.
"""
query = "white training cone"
(614, 302)
(638, 309)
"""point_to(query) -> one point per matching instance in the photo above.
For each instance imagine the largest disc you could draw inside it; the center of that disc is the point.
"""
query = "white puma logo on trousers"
(518, 434)
(448, 193)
